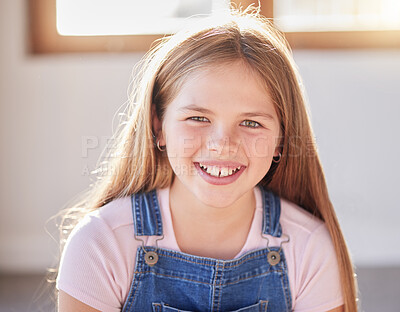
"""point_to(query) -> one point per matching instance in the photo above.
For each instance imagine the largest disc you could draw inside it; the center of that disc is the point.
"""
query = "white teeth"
(224, 172)
(214, 171)
(219, 171)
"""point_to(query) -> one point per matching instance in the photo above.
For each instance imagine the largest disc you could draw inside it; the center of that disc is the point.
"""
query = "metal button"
(273, 257)
(151, 258)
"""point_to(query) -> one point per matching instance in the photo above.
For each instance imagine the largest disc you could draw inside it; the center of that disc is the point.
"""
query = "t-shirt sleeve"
(319, 278)
(90, 268)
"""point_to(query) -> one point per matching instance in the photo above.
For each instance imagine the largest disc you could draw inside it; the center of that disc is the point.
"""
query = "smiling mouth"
(219, 171)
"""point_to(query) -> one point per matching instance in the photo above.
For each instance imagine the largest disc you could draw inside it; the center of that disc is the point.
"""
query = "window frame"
(45, 39)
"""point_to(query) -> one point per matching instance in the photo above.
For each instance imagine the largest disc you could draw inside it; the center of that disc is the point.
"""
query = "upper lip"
(219, 163)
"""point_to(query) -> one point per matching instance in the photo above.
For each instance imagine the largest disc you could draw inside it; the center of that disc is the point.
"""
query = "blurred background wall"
(50, 105)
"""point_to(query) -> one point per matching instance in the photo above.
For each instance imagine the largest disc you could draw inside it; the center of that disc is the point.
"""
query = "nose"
(222, 140)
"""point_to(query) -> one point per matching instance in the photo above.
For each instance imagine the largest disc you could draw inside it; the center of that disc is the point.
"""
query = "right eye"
(198, 118)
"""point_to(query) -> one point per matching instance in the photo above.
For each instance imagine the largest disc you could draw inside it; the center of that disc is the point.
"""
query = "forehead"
(233, 85)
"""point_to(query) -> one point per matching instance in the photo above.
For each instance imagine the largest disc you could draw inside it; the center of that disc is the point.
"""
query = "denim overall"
(167, 280)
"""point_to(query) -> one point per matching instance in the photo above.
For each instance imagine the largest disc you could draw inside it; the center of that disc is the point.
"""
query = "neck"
(208, 231)
(185, 206)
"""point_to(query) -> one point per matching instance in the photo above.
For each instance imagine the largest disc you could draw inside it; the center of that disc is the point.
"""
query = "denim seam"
(253, 276)
(131, 296)
(152, 212)
(134, 284)
(156, 213)
(137, 280)
(278, 229)
(157, 307)
(214, 287)
(141, 217)
(230, 266)
(264, 304)
(285, 285)
(265, 212)
(285, 282)
(220, 286)
(128, 303)
(284, 292)
(205, 283)
(136, 288)
(177, 277)
(270, 211)
(159, 217)
(135, 214)
(138, 213)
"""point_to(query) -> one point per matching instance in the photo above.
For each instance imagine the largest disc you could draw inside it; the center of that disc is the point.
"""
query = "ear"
(278, 146)
(157, 126)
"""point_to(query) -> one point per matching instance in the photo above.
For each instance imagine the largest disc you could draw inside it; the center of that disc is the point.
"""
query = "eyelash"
(198, 118)
(255, 123)
(244, 122)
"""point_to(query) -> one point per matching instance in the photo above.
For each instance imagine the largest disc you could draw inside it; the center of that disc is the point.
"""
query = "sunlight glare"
(124, 17)
(337, 15)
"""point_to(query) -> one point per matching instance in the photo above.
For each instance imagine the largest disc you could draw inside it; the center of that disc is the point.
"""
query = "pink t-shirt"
(99, 257)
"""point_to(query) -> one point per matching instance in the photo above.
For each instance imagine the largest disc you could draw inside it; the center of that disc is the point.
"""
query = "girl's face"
(221, 132)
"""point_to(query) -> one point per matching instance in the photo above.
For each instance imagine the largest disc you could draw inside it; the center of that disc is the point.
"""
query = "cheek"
(260, 146)
(183, 140)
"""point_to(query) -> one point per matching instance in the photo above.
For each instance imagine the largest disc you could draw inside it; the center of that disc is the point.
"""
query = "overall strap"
(146, 214)
(272, 213)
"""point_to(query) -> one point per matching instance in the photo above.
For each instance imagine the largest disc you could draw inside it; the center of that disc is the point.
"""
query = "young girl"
(213, 198)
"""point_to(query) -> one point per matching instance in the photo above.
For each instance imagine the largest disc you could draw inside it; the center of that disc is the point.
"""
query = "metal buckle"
(273, 256)
(150, 257)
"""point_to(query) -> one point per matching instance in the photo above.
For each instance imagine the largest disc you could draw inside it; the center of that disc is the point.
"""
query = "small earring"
(160, 148)
(277, 159)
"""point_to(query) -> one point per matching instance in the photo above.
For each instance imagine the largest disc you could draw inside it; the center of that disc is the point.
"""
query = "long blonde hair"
(133, 164)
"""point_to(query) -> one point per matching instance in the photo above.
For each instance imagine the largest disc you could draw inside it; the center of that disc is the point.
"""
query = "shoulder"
(312, 263)
(97, 260)
(108, 218)
(309, 235)
(100, 230)
(307, 232)
(298, 219)
(115, 214)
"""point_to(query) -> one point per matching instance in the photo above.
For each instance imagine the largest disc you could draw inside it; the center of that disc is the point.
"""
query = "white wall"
(49, 103)
(355, 103)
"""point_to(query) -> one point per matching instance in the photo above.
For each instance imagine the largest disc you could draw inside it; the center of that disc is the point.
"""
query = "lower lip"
(216, 180)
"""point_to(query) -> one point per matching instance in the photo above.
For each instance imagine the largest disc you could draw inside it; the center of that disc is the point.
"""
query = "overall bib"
(167, 280)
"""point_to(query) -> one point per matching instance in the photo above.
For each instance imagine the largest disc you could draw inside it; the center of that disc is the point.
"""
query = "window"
(339, 23)
(128, 17)
(72, 26)
(337, 15)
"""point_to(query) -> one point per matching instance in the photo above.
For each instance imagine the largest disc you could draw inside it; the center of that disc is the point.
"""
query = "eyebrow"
(203, 110)
(195, 108)
(258, 114)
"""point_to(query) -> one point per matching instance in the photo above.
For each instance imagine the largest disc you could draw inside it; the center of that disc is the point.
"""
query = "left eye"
(198, 118)
(250, 124)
